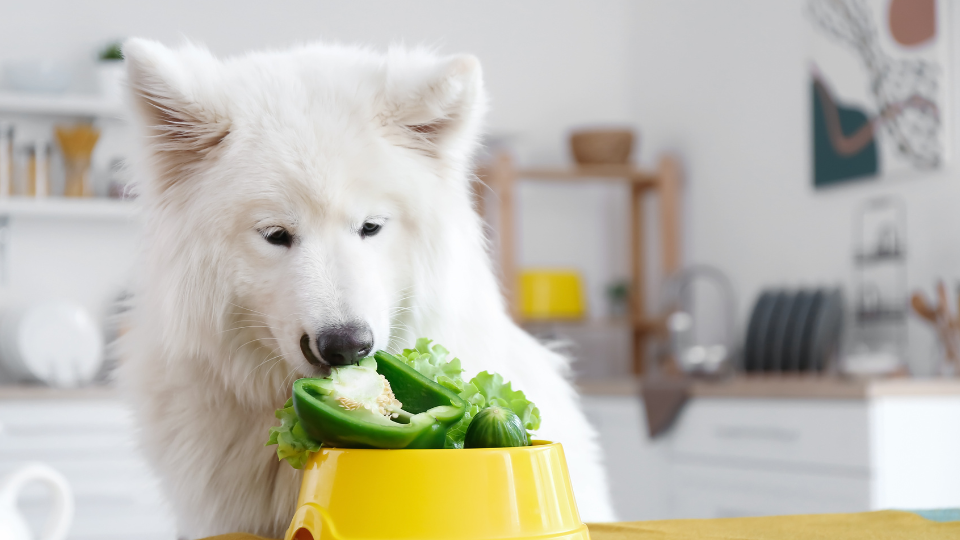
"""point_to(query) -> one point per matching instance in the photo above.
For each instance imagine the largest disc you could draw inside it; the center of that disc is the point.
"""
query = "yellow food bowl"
(484, 493)
(551, 294)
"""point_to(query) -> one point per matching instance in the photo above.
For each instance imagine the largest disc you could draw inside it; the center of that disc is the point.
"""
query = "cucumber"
(495, 427)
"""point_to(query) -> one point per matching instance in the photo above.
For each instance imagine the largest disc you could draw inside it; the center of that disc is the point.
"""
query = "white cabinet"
(785, 434)
(726, 455)
(90, 439)
(761, 456)
(637, 468)
(867, 447)
(750, 457)
(915, 452)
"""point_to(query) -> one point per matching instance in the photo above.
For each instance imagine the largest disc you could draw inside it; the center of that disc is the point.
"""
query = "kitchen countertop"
(10, 393)
(790, 387)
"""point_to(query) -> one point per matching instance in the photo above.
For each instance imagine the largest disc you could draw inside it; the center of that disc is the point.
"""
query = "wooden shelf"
(581, 172)
(605, 322)
(647, 325)
(78, 105)
(501, 176)
(57, 207)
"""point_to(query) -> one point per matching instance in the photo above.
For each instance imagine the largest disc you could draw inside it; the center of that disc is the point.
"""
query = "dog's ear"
(437, 107)
(181, 129)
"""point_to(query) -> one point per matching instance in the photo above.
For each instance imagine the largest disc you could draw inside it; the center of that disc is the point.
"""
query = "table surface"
(888, 524)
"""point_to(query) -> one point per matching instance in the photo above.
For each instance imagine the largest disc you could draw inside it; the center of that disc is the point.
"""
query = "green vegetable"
(484, 390)
(496, 427)
(293, 443)
(498, 392)
(431, 361)
(359, 406)
(416, 400)
(361, 390)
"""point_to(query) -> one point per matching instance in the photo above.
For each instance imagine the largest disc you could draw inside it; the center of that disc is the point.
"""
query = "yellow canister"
(475, 494)
(551, 294)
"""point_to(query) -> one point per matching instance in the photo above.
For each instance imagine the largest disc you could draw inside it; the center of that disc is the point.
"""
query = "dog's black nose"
(344, 344)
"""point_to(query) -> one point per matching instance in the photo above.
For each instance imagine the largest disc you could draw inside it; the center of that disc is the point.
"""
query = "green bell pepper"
(429, 411)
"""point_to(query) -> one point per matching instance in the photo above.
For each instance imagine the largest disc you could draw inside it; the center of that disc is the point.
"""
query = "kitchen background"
(722, 86)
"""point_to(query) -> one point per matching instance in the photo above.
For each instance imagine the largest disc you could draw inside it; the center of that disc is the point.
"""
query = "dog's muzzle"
(339, 345)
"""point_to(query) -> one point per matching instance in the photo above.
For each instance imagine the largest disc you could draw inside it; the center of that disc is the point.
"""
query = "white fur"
(317, 140)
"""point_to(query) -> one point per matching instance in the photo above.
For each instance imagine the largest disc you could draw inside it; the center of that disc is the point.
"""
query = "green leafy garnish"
(293, 443)
(475, 402)
(431, 361)
(484, 390)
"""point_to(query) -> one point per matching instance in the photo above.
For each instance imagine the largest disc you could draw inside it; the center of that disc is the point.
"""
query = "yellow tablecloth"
(885, 525)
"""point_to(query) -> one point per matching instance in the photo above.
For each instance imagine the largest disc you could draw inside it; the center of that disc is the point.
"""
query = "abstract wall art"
(878, 85)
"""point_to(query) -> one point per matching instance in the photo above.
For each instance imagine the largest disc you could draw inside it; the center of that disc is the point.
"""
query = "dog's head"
(292, 196)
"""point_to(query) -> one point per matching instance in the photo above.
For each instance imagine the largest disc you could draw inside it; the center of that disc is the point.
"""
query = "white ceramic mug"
(12, 524)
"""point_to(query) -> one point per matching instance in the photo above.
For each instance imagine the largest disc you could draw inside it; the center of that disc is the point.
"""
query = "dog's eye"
(370, 229)
(277, 236)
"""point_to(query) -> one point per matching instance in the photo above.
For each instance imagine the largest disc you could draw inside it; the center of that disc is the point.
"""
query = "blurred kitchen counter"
(736, 387)
(749, 446)
(48, 393)
(88, 435)
(625, 386)
(785, 387)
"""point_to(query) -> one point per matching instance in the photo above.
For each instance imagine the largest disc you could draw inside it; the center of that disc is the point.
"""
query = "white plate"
(56, 343)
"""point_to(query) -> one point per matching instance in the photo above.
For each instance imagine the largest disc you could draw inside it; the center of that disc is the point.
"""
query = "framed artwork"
(878, 86)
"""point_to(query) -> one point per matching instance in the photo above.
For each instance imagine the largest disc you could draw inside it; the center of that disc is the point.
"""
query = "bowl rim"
(536, 444)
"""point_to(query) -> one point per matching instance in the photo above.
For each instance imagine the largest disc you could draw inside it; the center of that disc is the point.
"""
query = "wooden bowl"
(602, 146)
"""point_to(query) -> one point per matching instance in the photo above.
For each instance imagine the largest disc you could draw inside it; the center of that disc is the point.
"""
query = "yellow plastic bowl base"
(515, 493)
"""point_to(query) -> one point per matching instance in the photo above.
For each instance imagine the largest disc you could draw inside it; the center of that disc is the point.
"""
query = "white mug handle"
(61, 515)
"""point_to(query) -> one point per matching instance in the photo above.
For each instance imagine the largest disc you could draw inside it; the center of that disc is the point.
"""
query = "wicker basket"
(602, 146)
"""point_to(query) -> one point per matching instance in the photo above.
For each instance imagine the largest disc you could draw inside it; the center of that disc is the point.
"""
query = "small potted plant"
(110, 71)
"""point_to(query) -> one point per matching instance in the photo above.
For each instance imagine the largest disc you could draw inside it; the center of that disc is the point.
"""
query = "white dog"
(318, 195)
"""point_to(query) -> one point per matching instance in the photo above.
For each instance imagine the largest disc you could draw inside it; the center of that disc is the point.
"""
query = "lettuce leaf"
(484, 390)
(431, 361)
(475, 401)
(293, 443)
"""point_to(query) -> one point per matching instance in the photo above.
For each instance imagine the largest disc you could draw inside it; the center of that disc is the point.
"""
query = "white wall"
(549, 65)
(725, 85)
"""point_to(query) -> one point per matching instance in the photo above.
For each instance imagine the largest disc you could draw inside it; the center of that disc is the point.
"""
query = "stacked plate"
(56, 343)
(794, 330)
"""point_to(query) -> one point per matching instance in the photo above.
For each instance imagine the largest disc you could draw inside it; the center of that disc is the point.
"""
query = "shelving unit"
(43, 110)
(501, 176)
(56, 207)
(75, 105)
